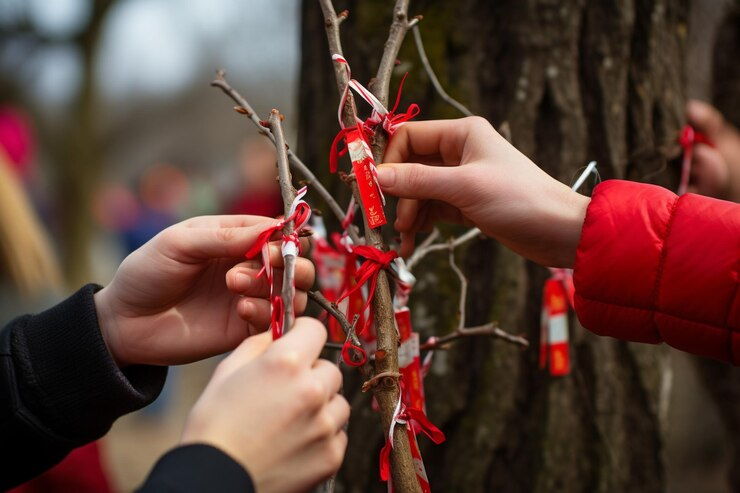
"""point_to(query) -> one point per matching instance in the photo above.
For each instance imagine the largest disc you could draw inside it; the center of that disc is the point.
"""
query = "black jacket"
(60, 389)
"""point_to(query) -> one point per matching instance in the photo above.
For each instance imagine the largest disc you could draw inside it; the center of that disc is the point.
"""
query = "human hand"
(274, 408)
(715, 171)
(463, 171)
(188, 294)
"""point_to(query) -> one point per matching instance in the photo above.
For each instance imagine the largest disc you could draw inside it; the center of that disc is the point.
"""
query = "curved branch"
(295, 162)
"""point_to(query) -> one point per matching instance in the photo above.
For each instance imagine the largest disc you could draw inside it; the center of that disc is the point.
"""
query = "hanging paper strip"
(363, 167)
(554, 331)
(409, 361)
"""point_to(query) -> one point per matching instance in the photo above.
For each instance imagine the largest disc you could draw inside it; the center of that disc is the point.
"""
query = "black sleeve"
(197, 469)
(60, 388)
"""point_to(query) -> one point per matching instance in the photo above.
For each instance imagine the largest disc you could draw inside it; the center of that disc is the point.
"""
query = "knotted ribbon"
(299, 212)
(416, 421)
(375, 260)
(361, 132)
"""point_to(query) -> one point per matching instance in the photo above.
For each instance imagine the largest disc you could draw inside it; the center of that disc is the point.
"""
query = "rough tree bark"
(574, 81)
(723, 381)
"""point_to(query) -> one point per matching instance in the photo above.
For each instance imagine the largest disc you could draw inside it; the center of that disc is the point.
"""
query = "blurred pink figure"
(260, 193)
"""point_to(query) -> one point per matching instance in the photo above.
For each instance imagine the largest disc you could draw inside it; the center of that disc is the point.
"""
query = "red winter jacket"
(653, 267)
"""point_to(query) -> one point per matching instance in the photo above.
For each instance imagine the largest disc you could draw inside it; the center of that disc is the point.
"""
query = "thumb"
(705, 118)
(416, 181)
(251, 348)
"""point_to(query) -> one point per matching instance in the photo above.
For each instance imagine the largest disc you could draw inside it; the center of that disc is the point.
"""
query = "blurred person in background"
(259, 191)
(30, 280)
(715, 168)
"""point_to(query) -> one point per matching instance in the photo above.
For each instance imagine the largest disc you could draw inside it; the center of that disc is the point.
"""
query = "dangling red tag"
(554, 333)
(421, 472)
(409, 361)
(363, 167)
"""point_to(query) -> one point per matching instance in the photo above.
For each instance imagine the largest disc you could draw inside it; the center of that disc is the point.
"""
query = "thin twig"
(381, 84)
(349, 328)
(427, 247)
(432, 76)
(331, 23)
(333, 310)
(490, 329)
(288, 193)
(463, 289)
(296, 163)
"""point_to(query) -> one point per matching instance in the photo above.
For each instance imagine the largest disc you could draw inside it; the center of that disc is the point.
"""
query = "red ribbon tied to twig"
(688, 139)
(417, 422)
(375, 260)
(389, 120)
(299, 212)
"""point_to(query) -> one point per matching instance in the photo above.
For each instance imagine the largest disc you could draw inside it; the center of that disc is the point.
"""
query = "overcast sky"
(156, 47)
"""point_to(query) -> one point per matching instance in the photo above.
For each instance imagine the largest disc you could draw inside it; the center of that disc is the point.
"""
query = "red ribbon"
(375, 260)
(300, 216)
(417, 421)
(301, 213)
(347, 357)
(389, 120)
(687, 140)
(276, 317)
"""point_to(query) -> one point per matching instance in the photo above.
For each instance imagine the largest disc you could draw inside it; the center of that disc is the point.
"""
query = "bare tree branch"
(298, 165)
(490, 329)
(381, 84)
(288, 193)
(428, 247)
(331, 24)
(432, 76)
(463, 289)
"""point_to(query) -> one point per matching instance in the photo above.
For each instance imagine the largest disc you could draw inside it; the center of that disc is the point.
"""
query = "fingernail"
(243, 281)
(386, 176)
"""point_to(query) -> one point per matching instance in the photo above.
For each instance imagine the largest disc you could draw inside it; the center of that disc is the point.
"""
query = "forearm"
(654, 267)
(59, 387)
(197, 467)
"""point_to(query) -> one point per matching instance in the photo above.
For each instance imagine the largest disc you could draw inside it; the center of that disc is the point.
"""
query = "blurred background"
(108, 123)
(112, 129)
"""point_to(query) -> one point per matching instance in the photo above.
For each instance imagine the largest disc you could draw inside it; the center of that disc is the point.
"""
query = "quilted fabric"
(654, 267)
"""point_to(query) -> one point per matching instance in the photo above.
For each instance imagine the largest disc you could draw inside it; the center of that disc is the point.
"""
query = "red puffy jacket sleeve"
(653, 267)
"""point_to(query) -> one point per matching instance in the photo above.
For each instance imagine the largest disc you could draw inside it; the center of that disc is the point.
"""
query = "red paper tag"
(362, 166)
(409, 362)
(330, 270)
(421, 473)
(554, 333)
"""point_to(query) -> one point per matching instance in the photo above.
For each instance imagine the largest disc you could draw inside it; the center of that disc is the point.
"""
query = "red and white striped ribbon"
(299, 212)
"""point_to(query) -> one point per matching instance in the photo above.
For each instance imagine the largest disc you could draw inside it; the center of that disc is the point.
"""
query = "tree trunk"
(574, 81)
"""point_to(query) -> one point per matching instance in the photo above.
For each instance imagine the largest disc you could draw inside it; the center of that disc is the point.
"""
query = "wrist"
(108, 324)
(567, 227)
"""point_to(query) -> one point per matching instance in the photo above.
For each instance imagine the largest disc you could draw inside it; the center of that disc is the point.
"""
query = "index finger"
(433, 142)
(303, 342)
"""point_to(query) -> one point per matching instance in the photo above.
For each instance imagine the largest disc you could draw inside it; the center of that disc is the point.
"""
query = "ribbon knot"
(299, 212)
(375, 260)
(388, 120)
(416, 421)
